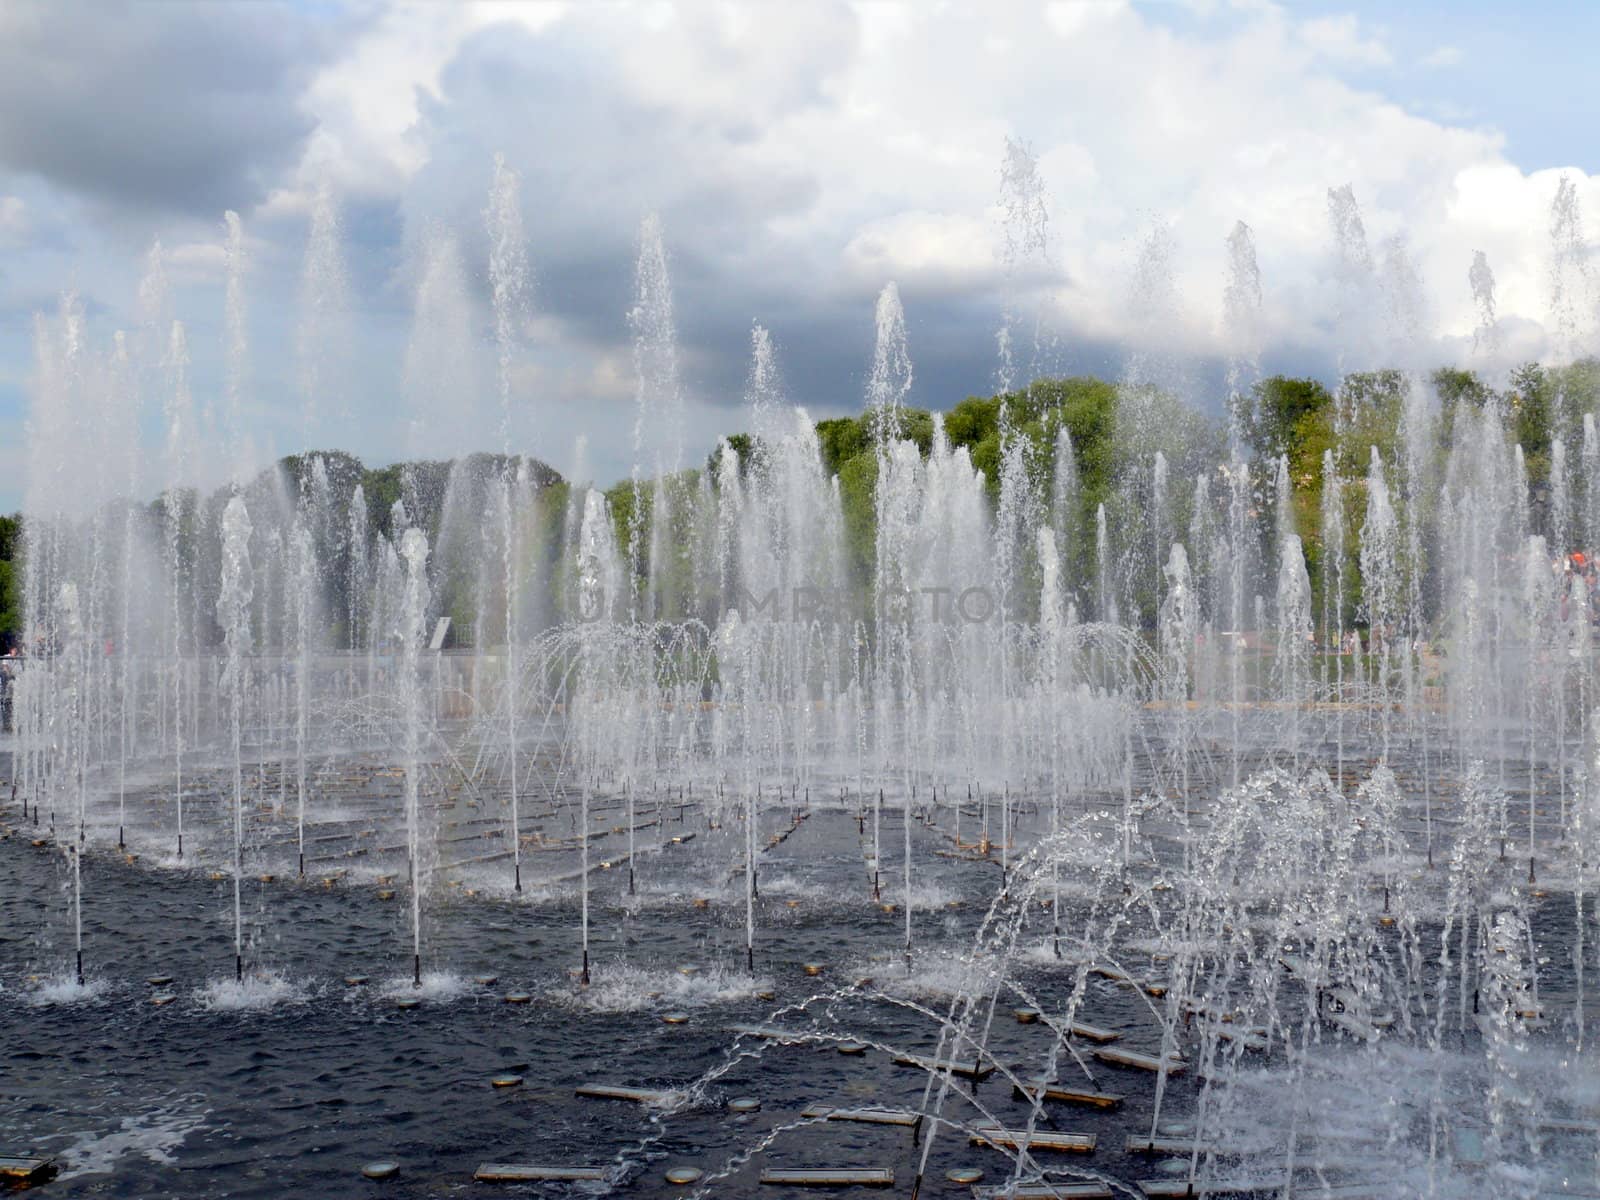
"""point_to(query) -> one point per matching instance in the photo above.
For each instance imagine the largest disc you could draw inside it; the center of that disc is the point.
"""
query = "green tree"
(840, 440)
(1281, 405)
(1531, 405)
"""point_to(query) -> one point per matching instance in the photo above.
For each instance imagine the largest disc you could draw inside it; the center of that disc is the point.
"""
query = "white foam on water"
(620, 987)
(1367, 1113)
(934, 972)
(257, 991)
(1169, 947)
(925, 896)
(1071, 889)
(438, 987)
(153, 1135)
(797, 887)
(534, 893)
(66, 990)
(495, 881)
(1043, 953)
(651, 898)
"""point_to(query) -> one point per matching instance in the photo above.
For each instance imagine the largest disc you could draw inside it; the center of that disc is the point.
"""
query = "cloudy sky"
(799, 157)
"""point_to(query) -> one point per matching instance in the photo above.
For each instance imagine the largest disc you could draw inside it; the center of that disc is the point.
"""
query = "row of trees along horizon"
(1282, 415)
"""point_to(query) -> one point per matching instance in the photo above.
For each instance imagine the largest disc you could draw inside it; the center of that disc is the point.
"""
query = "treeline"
(1115, 434)
(1086, 407)
(1117, 431)
(1300, 419)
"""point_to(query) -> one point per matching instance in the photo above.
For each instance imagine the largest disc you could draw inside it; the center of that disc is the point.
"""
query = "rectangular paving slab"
(521, 1173)
(1062, 1094)
(1144, 1062)
(606, 1091)
(1015, 1139)
(967, 1070)
(828, 1177)
(864, 1116)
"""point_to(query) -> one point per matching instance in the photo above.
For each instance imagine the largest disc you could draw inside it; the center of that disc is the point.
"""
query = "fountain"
(233, 608)
(1251, 764)
(413, 610)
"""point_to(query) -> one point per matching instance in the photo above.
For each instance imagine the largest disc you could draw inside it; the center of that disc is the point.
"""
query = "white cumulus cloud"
(802, 155)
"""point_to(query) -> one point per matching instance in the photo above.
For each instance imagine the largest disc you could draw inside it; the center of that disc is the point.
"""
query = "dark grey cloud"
(594, 158)
(179, 107)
